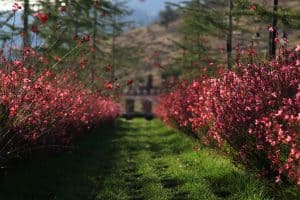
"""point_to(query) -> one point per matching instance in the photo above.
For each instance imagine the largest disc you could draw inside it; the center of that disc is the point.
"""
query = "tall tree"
(229, 35)
(203, 31)
(26, 13)
(272, 44)
(283, 17)
(168, 15)
(116, 25)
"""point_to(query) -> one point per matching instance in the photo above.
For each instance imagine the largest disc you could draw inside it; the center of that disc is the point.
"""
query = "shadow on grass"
(131, 160)
(166, 142)
(223, 186)
(235, 185)
(85, 172)
(67, 175)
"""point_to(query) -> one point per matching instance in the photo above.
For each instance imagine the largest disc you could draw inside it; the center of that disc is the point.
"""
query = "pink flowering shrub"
(38, 107)
(253, 110)
(46, 108)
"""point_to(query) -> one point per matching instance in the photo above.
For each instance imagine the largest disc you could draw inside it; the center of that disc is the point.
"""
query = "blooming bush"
(45, 108)
(253, 110)
(40, 108)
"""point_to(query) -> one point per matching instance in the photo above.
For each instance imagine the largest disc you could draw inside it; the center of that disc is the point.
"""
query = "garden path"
(135, 159)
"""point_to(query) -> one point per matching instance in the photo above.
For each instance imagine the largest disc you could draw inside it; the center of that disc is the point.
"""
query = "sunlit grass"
(134, 160)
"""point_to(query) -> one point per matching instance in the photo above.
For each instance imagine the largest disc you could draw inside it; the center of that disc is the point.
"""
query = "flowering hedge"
(46, 108)
(252, 113)
(40, 108)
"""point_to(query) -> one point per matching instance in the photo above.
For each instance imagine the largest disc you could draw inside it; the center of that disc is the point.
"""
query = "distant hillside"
(159, 42)
(157, 46)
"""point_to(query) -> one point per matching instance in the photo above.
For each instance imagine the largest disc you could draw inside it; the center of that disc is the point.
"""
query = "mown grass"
(133, 160)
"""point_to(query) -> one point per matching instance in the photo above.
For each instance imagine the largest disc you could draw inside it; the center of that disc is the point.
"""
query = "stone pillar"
(147, 108)
(129, 108)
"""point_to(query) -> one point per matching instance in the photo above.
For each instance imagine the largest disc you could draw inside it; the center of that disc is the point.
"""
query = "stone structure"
(143, 95)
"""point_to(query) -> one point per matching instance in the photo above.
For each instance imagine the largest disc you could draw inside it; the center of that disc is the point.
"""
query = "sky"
(146, 11)
(151, 7)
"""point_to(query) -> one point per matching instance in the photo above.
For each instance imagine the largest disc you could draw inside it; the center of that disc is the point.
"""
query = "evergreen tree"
(122, 52)
(202, 21)
(210, 24)
(168, 15)
(276, 14)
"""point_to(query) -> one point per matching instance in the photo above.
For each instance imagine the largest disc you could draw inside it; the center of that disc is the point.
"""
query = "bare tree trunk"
(229, 35)
(113, 49)
(94, 48)
(26, 42)
(272, 35)
(57, 3)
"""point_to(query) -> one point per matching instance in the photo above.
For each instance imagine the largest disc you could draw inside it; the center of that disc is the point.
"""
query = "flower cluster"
(46, 108)
(252, 113)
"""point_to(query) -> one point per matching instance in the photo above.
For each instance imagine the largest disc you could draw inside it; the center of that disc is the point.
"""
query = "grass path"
(134, 160)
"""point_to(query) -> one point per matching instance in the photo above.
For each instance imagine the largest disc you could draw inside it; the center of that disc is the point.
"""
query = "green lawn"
(133, 160)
